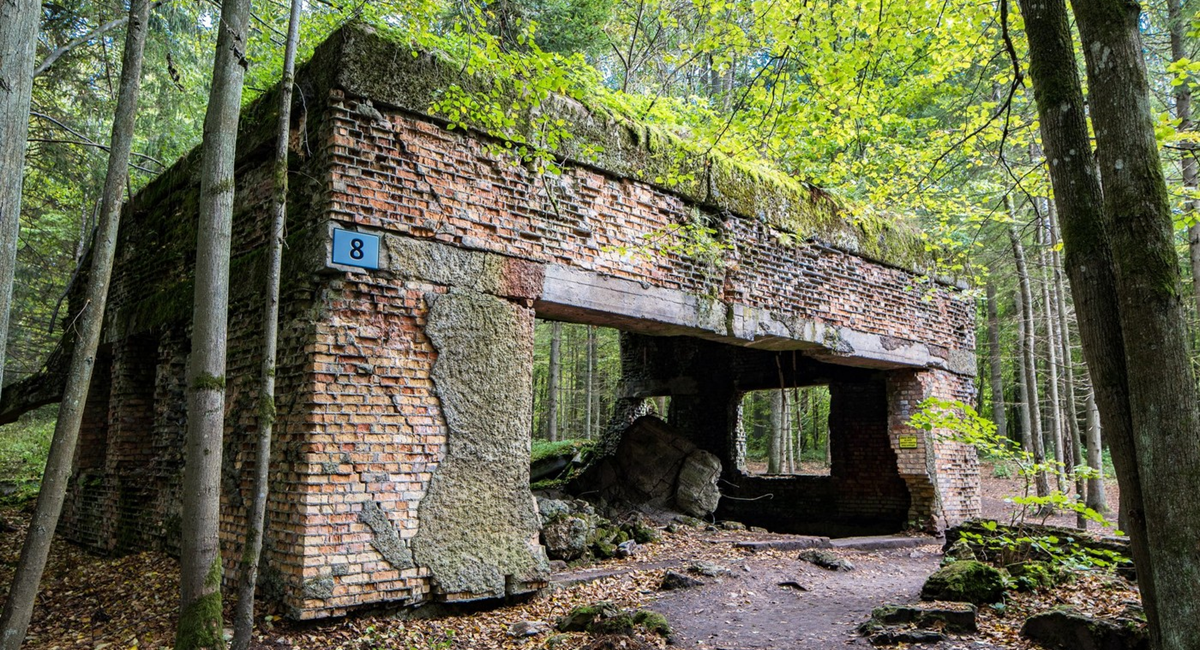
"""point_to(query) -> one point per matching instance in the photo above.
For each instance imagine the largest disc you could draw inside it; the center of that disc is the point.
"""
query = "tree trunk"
(1030, 415)
(552, 392)
(18, 43)
(775, 431)
(1023, 410)
(19, 607)
(589, 430)
(200, 621)
(1050, 312)
(1179, 25)
(243, 616)
(1162, 387)
(1088, 258)
(1096, 499)
(1074, 439)
(994, 357)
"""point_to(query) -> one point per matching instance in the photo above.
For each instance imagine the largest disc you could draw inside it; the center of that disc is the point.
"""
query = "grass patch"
(542, 449)
(24, 445)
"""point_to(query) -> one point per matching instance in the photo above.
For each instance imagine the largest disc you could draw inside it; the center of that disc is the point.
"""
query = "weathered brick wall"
(408, 176)
(362, 429)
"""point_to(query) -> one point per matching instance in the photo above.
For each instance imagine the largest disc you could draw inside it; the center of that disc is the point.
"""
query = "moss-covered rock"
(966, 581)
(1065, 628)
(581, 618)
(652, 622)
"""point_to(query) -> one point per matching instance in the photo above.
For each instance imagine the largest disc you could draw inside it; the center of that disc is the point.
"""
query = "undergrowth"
(23, 448)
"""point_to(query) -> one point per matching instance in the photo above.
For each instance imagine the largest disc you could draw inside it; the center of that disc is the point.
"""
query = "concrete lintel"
(575, 294)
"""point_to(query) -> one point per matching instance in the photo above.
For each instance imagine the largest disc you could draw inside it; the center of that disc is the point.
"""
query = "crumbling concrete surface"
(479, 525)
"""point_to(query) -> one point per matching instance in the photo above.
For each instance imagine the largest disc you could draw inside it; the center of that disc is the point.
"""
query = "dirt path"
(749, 609)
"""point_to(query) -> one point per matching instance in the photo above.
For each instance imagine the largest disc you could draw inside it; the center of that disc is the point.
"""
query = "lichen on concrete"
(385, 538)
(478, 523)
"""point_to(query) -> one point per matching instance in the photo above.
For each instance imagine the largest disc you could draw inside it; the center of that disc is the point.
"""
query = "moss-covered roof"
(368, 64)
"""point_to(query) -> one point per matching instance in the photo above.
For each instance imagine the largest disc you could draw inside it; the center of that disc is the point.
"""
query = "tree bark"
(1054, 434)
(1030, 416)
(18, 43)
(994, 356)
(1096, 499)
(200, 621)
(1179, 24)
(1162, 387)
(1087, 253)
(243, 616)
(775, 431)
(552, 390)
(589, 430)
(19, 606)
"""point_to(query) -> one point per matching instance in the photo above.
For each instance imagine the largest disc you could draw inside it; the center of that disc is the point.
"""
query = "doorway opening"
(786, 431)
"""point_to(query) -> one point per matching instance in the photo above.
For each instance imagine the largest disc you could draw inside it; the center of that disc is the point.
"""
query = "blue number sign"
(355, 249)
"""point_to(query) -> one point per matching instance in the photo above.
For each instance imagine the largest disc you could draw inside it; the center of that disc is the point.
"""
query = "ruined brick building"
(405, 391)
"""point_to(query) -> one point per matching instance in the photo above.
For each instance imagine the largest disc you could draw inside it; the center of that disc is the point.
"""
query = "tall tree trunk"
(1162, 387)
(775, 431)
(18, 43)
(1096, 499)
(552, 391)
(1074, 439)
(1050, 312)
(1023, 410)
(589, 431)
(994, 357)
(1179, 25)
(1088, 258)
(243, 616)
(19, 607)
(1031, 410)
(200, 621)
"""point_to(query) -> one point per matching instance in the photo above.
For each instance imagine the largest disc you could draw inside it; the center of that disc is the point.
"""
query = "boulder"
(696, 491)
(566, 538)
(657, 467)
(951, 619)
(966, 581)
(672, 581)
(581, 618)
(1067, 629)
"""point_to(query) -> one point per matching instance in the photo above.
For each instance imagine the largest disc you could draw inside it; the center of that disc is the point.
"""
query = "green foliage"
(24, 445)
(951, 420)
(955, 421)
(542, 449)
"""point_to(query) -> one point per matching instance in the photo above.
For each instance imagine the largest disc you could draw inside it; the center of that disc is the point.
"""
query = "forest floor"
(129, 602)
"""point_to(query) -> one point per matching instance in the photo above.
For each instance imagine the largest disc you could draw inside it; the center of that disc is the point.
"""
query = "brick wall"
(361, 430)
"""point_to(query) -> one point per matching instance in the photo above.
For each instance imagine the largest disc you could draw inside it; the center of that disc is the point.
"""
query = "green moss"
(266, 409)
(200, 622)
(364, 62)
(205, 381)
(543, 449)
(965, 581)
(653, 622)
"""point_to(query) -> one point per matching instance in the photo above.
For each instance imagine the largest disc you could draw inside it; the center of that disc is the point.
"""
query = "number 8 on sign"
(355, 249)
